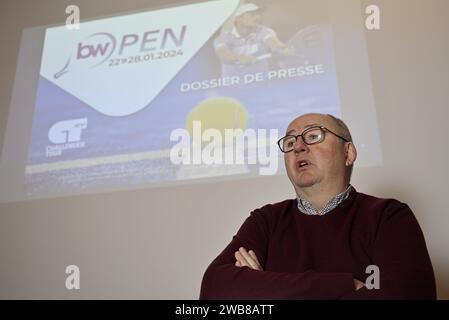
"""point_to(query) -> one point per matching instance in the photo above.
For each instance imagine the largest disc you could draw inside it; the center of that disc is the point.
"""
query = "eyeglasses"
(312, 135)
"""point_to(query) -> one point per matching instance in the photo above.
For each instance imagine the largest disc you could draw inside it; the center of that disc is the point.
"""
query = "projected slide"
(128, 100)
(191, 93)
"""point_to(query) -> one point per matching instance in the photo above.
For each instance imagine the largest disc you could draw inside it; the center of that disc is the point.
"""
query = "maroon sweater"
(317, 257)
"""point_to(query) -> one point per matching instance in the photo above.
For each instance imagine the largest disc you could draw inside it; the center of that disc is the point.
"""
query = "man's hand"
(247, 258)
(358, 284)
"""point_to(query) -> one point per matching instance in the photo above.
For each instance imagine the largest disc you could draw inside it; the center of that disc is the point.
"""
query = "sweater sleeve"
(400, 252)
(223, 280)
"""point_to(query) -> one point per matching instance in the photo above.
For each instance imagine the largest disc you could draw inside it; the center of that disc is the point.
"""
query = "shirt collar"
(306, 207)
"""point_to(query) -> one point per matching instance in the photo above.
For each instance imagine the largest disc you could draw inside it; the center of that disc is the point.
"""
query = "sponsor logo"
(65, 135)
(99, 47)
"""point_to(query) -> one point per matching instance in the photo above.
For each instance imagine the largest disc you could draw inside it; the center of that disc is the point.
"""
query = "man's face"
(250, 19)
(325, 161)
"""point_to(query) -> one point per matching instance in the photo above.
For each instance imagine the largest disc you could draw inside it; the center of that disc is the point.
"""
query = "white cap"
(244, 8)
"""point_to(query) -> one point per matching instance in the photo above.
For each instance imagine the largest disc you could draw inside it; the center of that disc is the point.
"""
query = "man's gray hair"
(343, 131)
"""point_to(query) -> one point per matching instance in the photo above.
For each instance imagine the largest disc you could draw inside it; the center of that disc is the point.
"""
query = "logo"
(119, 65)
(67, 131)
(66, 135)
(96, 49)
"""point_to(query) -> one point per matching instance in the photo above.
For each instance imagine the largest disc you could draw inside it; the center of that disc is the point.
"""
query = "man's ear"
(350, 153)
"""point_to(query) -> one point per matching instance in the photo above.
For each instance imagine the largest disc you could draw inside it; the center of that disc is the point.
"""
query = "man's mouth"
(302, 164)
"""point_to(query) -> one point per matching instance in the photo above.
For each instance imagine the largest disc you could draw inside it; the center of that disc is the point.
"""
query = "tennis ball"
(218, 113)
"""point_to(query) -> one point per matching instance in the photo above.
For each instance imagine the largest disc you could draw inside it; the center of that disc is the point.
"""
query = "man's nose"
(300, 146)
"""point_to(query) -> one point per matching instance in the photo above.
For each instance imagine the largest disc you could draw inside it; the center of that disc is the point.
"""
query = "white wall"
(156, 243)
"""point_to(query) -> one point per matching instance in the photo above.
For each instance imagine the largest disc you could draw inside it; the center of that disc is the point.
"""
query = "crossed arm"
(230, 278)
(249, 259)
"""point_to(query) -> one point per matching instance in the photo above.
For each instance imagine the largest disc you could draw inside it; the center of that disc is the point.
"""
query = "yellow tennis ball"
(218, 113)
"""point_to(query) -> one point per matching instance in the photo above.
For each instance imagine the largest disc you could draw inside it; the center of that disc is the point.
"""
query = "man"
(247, 47)
(319, 245)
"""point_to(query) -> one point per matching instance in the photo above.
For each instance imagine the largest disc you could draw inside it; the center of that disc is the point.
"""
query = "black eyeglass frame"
(323, 130)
